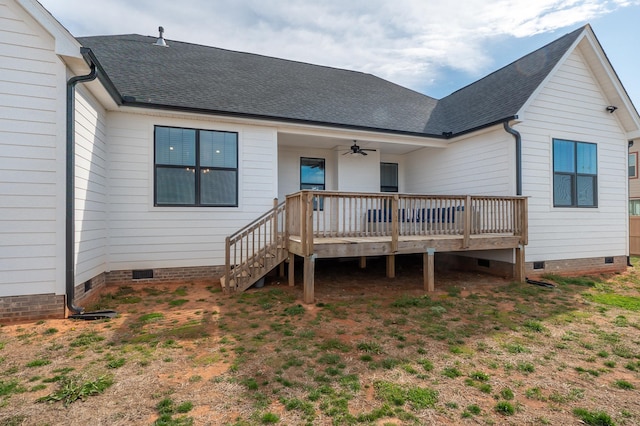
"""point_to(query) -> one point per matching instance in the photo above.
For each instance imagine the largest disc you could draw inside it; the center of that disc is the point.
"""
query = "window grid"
(189, 192)
(575, 176)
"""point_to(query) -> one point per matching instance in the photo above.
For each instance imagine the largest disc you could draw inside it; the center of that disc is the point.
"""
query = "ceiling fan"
(355, 149)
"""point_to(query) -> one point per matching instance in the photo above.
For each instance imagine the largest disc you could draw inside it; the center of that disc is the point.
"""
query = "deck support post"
(391, 266)
(363, 262)
(309, 272)
(291, 272)
(428, 270)
(519, 273)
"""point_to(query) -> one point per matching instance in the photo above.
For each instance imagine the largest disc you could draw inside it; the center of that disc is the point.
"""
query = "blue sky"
(426, 45)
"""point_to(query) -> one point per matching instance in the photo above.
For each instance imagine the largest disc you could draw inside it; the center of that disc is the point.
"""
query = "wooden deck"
(328, 224)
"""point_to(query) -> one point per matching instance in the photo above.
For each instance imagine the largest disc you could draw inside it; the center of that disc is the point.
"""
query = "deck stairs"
(255, 250)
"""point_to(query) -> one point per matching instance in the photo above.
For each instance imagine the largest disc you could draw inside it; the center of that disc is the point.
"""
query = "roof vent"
(160, 41)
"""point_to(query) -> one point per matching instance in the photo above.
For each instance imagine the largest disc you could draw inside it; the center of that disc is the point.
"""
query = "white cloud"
(406, 41)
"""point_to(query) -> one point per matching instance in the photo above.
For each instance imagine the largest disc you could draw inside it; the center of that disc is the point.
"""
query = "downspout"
(70, 192)
(518, 138)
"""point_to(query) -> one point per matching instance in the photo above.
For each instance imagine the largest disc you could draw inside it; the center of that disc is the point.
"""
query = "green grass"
(451, 372)
(629, 303)
(398, 395)
(38, 363)
(71, 389)
(86, 339)
(505, 408)
(593, 418)
(623, 384)
(177, 302)
(10, 387)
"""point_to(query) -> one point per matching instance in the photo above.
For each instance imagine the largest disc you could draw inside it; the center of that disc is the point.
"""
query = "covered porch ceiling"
(392, 145)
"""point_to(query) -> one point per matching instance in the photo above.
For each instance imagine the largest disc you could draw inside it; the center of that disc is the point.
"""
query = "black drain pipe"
(70, 208)
(518, 138)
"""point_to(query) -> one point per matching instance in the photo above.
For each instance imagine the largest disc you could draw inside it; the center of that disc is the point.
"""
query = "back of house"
(163, 152)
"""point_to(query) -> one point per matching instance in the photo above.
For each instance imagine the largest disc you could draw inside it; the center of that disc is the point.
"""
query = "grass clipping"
(72, 388)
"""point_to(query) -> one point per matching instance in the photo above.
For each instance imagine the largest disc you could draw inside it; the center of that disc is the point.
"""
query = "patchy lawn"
(479, 350)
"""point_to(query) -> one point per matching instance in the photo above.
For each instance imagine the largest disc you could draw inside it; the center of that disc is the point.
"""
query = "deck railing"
(332, 214)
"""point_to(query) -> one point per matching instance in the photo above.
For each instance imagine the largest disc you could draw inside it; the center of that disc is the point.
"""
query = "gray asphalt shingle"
(202, 78)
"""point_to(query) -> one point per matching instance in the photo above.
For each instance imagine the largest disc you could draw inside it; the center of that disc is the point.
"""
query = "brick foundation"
(31, 307)
(166, 275)
(588, 266)
(43, 306)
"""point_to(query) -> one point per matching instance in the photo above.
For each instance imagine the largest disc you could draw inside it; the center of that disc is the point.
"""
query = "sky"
(431, 46)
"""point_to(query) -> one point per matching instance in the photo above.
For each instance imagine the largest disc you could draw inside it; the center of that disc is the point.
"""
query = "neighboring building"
(634, 200)
(175, 148)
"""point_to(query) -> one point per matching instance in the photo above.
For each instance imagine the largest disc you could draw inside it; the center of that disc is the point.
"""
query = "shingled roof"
(199, 78)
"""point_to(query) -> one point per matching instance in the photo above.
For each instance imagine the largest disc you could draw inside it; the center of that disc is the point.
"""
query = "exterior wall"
(91, 188)
(484, 164)
(359, 173)
(32, 111)
(142, 236)
(571, 106)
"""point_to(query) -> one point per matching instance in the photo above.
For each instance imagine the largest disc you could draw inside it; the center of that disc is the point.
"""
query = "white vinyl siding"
(31, 169)
(91, 187)
(144, 236)
(484, 164)
(572, 107)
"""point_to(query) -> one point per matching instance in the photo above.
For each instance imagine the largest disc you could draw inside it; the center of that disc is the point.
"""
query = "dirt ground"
(371, 350)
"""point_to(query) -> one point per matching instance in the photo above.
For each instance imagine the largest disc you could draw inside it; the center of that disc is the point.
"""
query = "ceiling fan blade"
(367, 149)
(362, 152)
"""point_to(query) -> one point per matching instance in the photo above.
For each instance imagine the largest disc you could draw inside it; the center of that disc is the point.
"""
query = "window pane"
(563, 156)
(218, 187)
(586, 190)
(389, 177)
(634, 207)
(562, 190)
(175, 185)
(311, 171)
(587, 162)
(632, 164)
(218, 149)
(176, 147)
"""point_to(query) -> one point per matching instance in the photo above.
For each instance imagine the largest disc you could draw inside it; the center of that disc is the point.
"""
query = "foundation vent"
(608, 260)
(538, 265)
(142, 274)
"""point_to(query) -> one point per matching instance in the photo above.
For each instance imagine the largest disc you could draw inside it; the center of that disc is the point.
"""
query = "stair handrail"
(269, 216)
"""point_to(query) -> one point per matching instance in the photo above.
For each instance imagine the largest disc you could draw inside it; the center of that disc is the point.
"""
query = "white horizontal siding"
(484, 164)
(144, 236)
(31, 181)
(91, 199)
(572, 106)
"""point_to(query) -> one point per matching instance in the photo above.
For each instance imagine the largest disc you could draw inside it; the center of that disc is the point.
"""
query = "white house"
(164, 151)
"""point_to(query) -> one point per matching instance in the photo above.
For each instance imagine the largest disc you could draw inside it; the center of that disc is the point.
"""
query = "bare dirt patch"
(371, 350)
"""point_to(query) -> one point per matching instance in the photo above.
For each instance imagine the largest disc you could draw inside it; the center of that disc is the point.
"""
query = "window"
(388, 177)
(575, 174)
(634, 207)
(312, 173)
(312, 177)
(633, 165)
(195, 167)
